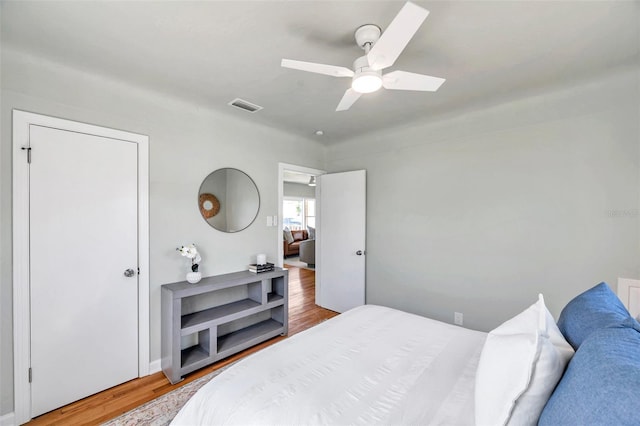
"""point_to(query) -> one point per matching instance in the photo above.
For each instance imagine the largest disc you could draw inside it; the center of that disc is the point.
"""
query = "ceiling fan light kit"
(365, 80)
(381, 51)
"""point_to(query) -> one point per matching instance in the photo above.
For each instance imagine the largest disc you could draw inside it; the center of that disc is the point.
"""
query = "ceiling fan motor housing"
(369, 33)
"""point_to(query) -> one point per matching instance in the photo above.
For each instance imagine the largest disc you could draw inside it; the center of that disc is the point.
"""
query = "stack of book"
(261, 268)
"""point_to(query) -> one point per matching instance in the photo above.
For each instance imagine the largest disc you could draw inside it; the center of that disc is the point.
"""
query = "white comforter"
(370, 365)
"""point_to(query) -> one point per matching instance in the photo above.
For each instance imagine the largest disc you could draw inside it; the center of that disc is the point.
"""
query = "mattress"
(370, 365)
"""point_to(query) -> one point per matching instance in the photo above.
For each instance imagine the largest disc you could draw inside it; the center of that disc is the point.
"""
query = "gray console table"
(219, 316)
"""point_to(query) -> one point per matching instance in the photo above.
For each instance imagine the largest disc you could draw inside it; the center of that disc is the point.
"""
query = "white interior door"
(341, 240)
(83, 236)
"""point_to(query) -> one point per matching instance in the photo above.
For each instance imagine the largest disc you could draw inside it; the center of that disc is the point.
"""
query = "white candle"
(262, 259)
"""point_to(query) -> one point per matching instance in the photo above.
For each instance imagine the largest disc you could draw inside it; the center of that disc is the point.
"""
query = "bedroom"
(522, 178)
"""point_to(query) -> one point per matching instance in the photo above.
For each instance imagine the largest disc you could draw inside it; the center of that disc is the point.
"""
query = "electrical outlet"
(458, 318)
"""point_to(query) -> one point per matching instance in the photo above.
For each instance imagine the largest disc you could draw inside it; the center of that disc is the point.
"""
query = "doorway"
(296, 184)
(340, 208)
(299, 220)
(80, 296)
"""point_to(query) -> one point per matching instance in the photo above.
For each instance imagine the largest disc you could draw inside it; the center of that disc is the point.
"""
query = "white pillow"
(521, 362)
(287, 235)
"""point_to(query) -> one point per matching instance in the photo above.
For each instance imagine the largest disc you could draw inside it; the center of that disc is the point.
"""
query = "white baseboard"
(7, 420)
(154, 367)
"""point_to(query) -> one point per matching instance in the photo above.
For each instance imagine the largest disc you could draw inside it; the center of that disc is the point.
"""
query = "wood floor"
(303, 314)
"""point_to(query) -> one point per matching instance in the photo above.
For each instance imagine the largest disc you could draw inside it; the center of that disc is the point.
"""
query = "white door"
(83, 236)
(341, 240)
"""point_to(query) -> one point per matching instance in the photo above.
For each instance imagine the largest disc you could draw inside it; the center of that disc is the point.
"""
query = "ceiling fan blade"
(331, 70)
(402, 80)
(349, 98)
(396, 37)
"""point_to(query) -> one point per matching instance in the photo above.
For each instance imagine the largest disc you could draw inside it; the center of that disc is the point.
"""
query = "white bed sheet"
(370, 365)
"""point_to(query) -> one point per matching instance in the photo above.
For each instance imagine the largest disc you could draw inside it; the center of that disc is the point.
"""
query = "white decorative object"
(191, 252)
(261, 259)
(194, 277)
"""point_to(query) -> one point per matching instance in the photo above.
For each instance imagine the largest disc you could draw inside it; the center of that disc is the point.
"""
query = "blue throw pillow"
(600, 386)
(596, 308)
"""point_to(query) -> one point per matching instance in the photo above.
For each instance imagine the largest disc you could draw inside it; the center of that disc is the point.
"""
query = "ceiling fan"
(381, 51)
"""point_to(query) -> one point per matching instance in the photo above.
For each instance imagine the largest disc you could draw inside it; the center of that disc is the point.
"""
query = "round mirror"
(228, 200)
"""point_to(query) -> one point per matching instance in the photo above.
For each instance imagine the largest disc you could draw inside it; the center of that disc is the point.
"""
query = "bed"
(377, 365)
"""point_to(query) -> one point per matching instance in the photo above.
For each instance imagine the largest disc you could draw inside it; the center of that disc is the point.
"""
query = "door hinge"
(28, 149)
(30, 375)
(138, 271)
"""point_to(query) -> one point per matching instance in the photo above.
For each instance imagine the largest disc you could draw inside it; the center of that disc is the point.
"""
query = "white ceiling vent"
(244, 105)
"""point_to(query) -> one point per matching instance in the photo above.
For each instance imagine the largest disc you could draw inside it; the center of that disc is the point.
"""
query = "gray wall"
(479, 212)
(291, 189)
(474, 213)
(187, 142)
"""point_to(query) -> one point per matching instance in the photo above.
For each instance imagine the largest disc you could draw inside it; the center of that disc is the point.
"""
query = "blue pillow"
(600, 386)
(596, 308)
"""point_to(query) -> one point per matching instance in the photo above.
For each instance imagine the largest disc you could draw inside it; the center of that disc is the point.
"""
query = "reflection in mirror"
(228, 200)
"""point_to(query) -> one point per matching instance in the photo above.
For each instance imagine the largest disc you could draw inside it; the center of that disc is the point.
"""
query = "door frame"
(20, 196)
(294, 168)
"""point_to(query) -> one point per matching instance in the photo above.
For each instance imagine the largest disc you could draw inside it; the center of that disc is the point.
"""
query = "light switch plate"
(269, 221)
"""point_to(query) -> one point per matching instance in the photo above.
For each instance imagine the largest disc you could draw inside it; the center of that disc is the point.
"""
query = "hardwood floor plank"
(98, 408)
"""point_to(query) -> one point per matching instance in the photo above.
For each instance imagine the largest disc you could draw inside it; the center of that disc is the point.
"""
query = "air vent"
(244, 105)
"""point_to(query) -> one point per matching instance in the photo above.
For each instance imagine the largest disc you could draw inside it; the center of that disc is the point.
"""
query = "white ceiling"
(211, 52)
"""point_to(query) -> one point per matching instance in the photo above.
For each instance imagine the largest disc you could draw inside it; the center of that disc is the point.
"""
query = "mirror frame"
(217, 204)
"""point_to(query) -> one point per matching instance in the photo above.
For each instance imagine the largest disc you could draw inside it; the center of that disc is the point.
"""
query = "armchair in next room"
(292, 240)
(308, 252)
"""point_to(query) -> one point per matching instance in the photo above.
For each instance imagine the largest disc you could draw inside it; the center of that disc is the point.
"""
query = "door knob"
(129, 273)
(359, 253)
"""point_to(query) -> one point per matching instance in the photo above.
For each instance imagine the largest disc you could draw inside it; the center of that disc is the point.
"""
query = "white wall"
(187, 142)
(479, 212)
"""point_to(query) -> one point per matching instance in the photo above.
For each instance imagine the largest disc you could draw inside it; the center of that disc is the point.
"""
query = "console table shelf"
(229, 342)
(203, 319)
(219, 316)
(193, 355)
